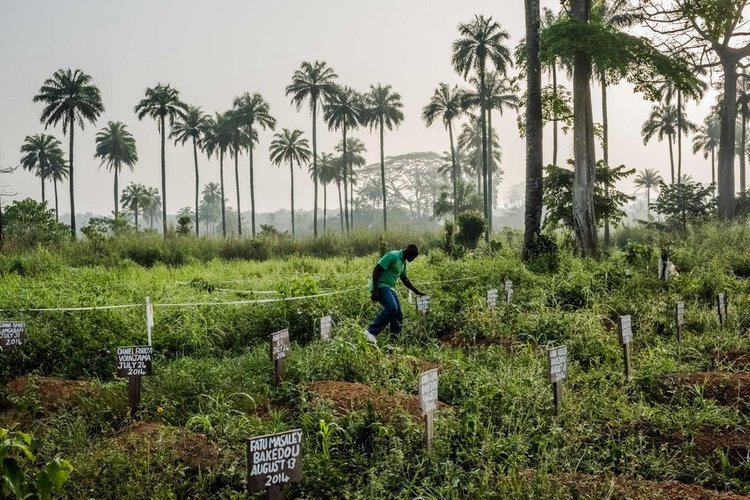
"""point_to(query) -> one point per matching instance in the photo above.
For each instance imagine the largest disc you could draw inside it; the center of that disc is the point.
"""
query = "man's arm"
(375, 295)
(408, 284)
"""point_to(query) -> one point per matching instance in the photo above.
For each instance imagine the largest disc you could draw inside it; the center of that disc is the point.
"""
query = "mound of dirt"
(52, 393)
(182, 446)
(736, 359)
(616, 487)
(725, 388)
(351, 396)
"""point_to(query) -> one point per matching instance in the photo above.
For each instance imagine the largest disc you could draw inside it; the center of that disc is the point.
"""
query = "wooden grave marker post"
(423, 304)
(134, 362)
(492, 295)
(508, 291)
(428, 400)
(272, 461)
(12, 334)
(280, 346)
(149, 318)
(326, 324)
(721, 306)
(625, 334)
(557, 363)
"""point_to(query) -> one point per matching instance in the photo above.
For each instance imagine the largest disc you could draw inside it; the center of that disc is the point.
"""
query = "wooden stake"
(279, 371)
(429, 431)
(626, 356)
(275, 492)
(557, 394)
(134, 395)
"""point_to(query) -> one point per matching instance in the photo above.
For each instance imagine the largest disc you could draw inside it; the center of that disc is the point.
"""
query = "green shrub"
(471, 227)
(544, 256)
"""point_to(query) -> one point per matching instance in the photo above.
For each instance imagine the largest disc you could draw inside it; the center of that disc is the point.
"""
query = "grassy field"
(679, 428)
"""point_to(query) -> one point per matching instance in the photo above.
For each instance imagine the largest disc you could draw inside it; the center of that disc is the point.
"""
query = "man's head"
(411, 252)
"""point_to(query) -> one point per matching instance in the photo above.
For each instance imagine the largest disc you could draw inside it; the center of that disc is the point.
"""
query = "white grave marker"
(325, 327)
(492, 294)
(423, 303)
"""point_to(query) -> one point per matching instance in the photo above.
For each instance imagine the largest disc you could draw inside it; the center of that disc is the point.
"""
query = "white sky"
(214, 51)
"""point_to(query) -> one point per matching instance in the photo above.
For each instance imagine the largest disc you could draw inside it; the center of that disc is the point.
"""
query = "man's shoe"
(369, 337)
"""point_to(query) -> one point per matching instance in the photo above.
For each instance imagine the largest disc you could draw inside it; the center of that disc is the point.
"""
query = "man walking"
(390, 267)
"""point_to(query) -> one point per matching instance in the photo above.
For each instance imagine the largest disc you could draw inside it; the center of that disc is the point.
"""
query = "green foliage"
(558, 194)
(184, 225)
(99, 228)
(16, 482)
(543, 255)
(27, 223)
(471, 227)
(683, 202)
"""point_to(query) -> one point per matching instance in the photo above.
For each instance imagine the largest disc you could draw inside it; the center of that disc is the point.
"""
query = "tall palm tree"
(211, 204)
(743, 112)
(707, 140)
(190, 127)
(344, 111)
(239, 140)
(135, 197)
(479, 40)
(383, 109)
(70, 97)
(326, 174)
(663, 122)
(499, 95)
(548, 19)
(648, 179)
(446, 104)
(41, 153)
(252, 110)
(217, 139)
(313, 82)
(162, 103)
(292, 147)
(338, 168)
(115, 146)
(355, 150)
(151, 208)
(57, 172)
(470, 148)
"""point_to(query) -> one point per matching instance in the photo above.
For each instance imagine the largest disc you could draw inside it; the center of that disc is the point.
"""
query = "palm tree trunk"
(382, 178)
(534, 128)
(554, 112)
(315, 170)
(197, 187)
(490, 166)
(117, 190)
(325, 203)
(713, 169)
(163, 178)
(291, 171)
(483, 107)
(136, 216)
(252, 181)
(223, 203)
(341, 209)
(44, 198)
(351, 195)
(605, 147)
(71, 122)
(57, 213)
(237, 186)
(727, 143)
(648, 200)
(346, 193)
(679, 136)
(454, 174)
(671, 158)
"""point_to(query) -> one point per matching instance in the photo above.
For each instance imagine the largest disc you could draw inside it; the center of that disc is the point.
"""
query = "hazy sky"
(214, 51)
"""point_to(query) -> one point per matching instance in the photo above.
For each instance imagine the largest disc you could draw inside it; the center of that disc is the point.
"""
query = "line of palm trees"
(71, 99)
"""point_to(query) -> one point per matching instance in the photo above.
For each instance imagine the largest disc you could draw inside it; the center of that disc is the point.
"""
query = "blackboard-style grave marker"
(557, 363)
(280, 346)
(508, 291)
(134, 362)
(625, 334)
(326, 324)
(12, 335)
(679, 320)
(423, 304)
(273, 461)
(428, 400)
(721, 308)
(492, 295)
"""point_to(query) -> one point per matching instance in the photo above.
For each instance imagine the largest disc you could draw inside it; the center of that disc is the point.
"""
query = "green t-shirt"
(394, 267)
